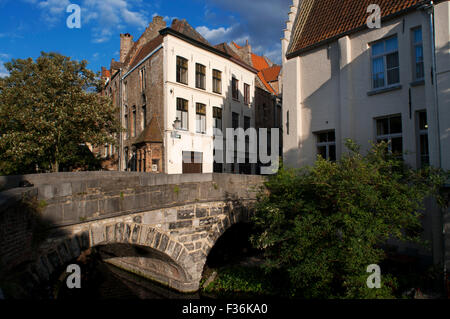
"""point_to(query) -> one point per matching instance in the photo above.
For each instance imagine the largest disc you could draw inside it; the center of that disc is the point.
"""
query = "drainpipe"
(430, 11)
(120, 121)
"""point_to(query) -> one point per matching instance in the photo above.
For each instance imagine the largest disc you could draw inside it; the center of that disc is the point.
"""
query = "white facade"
(330, 89)
(190, 140)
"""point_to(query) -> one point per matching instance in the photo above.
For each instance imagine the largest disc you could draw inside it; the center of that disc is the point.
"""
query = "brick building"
(173, 88)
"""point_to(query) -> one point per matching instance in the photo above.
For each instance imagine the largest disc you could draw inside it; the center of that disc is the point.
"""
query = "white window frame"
(414, 45)
(326, 144)
(388, 136)
(183, 116)
(384, 56)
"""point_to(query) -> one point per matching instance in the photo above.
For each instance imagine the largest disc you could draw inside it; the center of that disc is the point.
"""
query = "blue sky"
(28, 27)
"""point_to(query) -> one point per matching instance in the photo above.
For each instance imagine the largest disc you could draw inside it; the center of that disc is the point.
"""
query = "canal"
(101, 280)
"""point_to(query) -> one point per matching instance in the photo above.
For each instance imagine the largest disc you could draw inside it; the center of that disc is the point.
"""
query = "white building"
(173, 88)
(343, 80)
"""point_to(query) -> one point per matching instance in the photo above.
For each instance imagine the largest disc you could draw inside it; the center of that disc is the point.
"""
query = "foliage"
(49, 108)
(239, 281)
(325, 224)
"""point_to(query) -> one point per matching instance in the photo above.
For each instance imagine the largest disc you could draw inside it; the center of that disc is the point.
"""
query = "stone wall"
(177, 218)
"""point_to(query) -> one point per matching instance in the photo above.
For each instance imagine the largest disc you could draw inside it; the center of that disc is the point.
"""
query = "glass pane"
(423, 124)
(378, 65)
(332, 153)
(382, 127)
(378, 80)
(378, 72)
(396, 124)
(378, 48)
(419, 70)
(418, 35)
(184, 118)
(198, 123)
(393, 76)
(397, 145)
(391, 44)
(331, 136)
(392, 60)
(419, 53)
(424, 145)
(323, 137)
(322, 151)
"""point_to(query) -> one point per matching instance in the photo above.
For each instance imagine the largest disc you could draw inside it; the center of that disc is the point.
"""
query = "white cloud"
(52, 10)
(104, 16)
(262, 20)
(223, 34)
(3, 58)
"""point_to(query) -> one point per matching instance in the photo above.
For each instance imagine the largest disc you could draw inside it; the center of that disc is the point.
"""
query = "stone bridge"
(158, 226)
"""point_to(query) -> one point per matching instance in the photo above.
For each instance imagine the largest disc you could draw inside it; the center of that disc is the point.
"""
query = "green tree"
(49, 108)
(324, 225)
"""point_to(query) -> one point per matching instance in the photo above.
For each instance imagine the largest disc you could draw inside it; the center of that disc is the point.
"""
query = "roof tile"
(320, 20)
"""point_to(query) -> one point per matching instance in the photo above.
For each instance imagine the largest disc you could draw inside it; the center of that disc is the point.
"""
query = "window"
(142, 80)
(155, 165)
(126, 158)
(200, 118)
(389, 129)
(217, 118)
(133, 128)
(127, 126)
(182, 113)
(235, 120)
(418, 54)
(217, 81)
(422, 122)
(192, 162)
(326, 145)
(144, 117)
(287, 122)
(125, 92)
(246, 122)
(246, 168)
(385, 63)
(200, 74)
(182, 70)
(235, 88)
(246, 93)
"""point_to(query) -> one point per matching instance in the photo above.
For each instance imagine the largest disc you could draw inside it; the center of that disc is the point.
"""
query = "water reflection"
(101, 280)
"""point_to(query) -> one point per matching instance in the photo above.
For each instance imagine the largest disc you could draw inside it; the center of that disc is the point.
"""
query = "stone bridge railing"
(176, 218)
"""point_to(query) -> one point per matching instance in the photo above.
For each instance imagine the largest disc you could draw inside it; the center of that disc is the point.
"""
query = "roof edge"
(360, 28)
(170, 31)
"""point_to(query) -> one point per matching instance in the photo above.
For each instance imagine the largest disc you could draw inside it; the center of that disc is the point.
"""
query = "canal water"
(101, 280)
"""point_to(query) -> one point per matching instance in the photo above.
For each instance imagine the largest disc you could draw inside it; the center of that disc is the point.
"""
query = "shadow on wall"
(338, 104)
(23, 234)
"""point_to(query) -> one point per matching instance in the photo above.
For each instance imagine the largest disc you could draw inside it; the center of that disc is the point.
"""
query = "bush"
(325, 224)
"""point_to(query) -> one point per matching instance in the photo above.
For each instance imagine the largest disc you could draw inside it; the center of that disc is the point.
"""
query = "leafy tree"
(48, 109)
(324, 225)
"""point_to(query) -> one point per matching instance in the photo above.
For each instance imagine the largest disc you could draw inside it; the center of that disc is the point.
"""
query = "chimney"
(126, 42)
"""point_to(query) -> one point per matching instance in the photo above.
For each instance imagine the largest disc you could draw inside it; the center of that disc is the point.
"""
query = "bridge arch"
(179, 218)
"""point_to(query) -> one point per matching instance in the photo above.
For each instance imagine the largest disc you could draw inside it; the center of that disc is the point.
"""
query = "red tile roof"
(271, 74)
(259, 62)
(145, 50)
(264, 82)
(321, 20)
